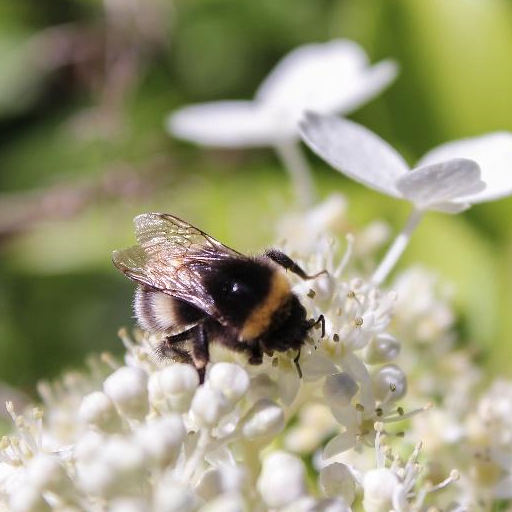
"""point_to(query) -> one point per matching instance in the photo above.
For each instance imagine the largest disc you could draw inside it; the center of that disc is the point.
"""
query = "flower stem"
(293, 159)
(397, 248)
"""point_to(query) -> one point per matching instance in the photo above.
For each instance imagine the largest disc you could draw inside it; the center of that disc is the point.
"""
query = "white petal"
(339, 444)
(351, 94)
(492, 152)
(224, 124)
(311, 70)
(448, 181)
(355, 151)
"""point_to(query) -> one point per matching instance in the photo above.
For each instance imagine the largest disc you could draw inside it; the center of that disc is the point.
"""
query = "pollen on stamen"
(108, 359)
(358, 321)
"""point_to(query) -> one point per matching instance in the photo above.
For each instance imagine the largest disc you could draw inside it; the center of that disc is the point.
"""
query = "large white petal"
(311, 70)
(224, 124)
(355, 151)
(492, 152)
(442, 182)
(347, 95)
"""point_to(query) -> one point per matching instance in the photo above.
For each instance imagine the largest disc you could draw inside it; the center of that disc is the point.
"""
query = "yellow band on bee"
(259, 320)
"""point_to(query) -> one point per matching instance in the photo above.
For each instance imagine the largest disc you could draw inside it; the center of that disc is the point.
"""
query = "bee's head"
(289, 326)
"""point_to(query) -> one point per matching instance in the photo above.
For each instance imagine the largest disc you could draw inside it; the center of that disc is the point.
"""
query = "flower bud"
(337, 480)
(127, 388)
(208, 406)
(128, 505)
(28, 499)
(282, 479)
(118, 466)
(98, 410)
(382, 349)
(379, 485)
(88, 446)
(173, 387)
(172, 497)
(263, 419)
(162, 439)
(217, 481)
(389, 381)
(310, 504)
(225, 503)
(230, 379)
(46, 473)
(339, 389)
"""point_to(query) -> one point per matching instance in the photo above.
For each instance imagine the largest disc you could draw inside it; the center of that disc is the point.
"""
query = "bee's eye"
(235, 288)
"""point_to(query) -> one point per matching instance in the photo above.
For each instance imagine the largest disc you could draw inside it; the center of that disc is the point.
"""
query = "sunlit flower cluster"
(343, 425)
(145, 436)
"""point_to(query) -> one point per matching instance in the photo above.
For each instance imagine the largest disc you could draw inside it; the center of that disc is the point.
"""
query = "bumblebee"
(195, 290)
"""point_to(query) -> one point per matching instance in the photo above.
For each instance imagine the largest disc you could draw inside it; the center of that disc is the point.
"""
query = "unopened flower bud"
(230, 379)
(263, 419)
(46, 473)
(216, 481)
(172, 497)
(225, 503)
(310, 504)
(173, 387)
(28, 499)
(379, 485)
(339, 389)
(389, 382)
(98, 409)
(382, 349)
(282, 479)
(208, 406)
(162, 439)
(127, 388)
(128, 505)
(119, 464)
(337, 480)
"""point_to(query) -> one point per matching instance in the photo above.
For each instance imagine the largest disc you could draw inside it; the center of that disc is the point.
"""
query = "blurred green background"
(83, 98)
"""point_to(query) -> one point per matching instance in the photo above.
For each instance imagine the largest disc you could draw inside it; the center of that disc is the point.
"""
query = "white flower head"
(325, 77)
(449, 178)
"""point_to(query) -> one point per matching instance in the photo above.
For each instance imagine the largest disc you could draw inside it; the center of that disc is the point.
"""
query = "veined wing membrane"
(172, 257)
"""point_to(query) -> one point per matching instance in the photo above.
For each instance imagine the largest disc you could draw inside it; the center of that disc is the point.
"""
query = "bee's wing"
(172, 256)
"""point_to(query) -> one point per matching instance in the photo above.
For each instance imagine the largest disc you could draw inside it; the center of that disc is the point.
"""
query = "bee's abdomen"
(156, 311)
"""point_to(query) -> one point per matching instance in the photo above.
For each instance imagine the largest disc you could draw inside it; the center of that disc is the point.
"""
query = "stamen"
(409, 414)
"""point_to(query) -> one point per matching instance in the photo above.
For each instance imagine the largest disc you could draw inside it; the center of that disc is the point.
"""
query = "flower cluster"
(145, 436)
(336, 428)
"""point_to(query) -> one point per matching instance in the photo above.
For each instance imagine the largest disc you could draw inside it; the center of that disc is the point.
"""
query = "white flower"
(326, 77)
(446, 179)
(127, 388)
(263, 419)
(282, 479)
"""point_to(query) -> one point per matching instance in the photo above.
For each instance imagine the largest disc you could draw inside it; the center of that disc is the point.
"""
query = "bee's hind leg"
(173, 347)
(190, 346)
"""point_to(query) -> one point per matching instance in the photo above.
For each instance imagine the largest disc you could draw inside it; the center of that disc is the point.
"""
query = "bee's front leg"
(255, 353)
